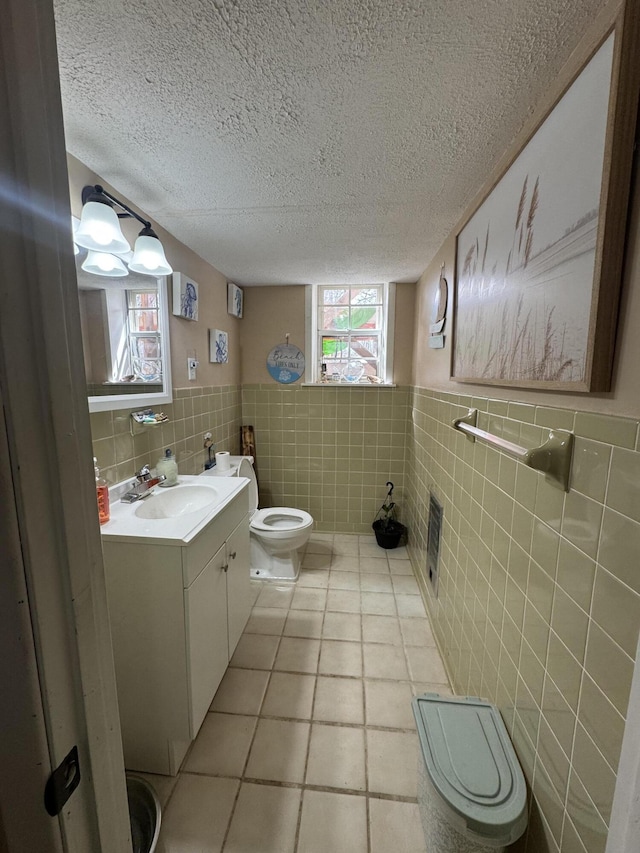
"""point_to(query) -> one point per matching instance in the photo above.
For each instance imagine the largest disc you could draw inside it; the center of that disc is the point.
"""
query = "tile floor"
(309, 745)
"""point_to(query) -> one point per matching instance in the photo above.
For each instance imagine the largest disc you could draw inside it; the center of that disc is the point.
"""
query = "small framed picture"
(218, 346)
(185, 297)
(234, 300)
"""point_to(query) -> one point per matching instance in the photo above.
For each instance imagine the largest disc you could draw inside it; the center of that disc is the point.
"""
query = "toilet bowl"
(277, 533)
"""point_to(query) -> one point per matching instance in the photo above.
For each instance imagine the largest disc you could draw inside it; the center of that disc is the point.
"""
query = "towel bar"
(553, 457)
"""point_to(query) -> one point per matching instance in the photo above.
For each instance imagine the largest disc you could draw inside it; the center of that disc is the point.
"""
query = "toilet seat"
(280, 519)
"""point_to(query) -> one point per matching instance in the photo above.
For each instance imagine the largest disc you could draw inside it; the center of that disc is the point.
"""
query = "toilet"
(277, 533)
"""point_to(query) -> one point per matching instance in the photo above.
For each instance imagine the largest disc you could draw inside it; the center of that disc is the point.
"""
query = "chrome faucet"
(143, 487)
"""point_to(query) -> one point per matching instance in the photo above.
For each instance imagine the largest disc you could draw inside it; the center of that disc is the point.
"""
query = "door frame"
(59, 664)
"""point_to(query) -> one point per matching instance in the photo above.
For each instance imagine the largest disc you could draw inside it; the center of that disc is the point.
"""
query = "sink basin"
(176, 502)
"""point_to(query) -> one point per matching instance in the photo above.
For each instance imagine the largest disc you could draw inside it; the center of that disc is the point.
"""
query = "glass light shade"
(102, 263)
(99, 229)
(149, 258)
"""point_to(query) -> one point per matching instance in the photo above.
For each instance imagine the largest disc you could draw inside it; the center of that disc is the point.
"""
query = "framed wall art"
(185, 297)
(218, 346)
(539, 262)
(235, 299)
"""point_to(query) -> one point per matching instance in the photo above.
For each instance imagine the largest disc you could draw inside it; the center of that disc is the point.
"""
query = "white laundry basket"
(471, 790)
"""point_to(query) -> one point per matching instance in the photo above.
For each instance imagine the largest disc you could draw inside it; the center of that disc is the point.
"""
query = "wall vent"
(433, 542)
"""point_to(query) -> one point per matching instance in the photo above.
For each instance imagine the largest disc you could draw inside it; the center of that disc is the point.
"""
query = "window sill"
(349, 385)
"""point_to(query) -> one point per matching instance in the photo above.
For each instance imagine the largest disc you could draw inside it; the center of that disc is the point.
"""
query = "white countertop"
(125, 526)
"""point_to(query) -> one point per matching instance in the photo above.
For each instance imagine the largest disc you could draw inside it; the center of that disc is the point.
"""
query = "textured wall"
(539, 597)
(328, 451)
(194, 411)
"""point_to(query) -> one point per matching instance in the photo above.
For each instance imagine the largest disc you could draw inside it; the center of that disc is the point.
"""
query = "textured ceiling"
(293, 141)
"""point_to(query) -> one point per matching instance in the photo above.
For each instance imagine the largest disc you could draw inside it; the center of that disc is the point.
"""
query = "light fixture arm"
(93, 193)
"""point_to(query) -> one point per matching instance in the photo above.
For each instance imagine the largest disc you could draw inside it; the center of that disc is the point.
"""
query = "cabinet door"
(238, 582)
(205, 604)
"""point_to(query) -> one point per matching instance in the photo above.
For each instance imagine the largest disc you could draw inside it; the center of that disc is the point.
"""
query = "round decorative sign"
(285, 363)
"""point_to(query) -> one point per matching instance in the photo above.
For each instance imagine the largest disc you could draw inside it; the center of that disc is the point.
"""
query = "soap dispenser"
(102, 494)
(168, 466)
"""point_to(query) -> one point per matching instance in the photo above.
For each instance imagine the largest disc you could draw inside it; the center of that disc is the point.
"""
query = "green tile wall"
(194, 412)
(328, 451)
(538, 606)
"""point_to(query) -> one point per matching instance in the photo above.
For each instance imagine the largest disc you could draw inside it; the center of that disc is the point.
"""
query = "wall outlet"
(192, 365)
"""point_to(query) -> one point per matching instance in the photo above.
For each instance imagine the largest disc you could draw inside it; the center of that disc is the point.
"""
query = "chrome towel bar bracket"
(553, 457)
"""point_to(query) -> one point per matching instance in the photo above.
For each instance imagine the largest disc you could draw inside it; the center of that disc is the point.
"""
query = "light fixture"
(99, 231)
(148, 255)
(103, 263)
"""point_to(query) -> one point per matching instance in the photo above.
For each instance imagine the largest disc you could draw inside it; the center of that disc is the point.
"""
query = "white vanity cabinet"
(177, 612)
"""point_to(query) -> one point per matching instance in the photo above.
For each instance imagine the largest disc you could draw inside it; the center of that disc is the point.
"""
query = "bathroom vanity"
(179, 594)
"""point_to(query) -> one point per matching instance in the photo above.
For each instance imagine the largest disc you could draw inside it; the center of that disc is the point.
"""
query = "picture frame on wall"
(218, 346)
(185, 297)
(539, 260)
(235, 300)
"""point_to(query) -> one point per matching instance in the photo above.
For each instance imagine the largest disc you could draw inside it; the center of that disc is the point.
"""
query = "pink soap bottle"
(102, 494)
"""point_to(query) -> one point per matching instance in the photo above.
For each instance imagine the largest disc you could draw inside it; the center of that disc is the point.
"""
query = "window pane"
(334, 348)
(334, 296)
(143, 321)
(366, 295)
(143, 298)
(334, 318)
(365, 346)
(145, 347)
(366, 317)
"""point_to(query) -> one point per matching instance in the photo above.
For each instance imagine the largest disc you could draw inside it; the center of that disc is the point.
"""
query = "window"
(351, 333)
(143, 335)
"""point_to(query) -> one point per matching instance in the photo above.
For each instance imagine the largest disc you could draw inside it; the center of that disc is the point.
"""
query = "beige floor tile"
(400, 567)
(339, 700)
(340, 658)
(395, 826)
(400, 553)
(381, 629)
(392, 761)
(345, 563)
(265, 620)
(279, 751)
(341, 626)
(320, 546)
(198, 814)
(371, 549)
(278, 596)
(304, 623)
(254, 588)
(345, 545)
(289, 695)
(410, 605)
(241, 691)
(378, 603)
(333, 823)
(405, 585)
(417, 632)
(425, 664)
(316, 560)
(389, 704)
(382, 661)
(222, 745)
(255, 652)
(374, 565)
(162, 785)
(308, 598)
(297, 655)
(265, 820)
(344, 580)
(336, 757)
(315, 578)
(370, 582)
(420, 687)
(343, 600)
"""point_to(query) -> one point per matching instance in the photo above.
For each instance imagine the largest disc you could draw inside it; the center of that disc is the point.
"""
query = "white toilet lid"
(245, 469)
(281, 518)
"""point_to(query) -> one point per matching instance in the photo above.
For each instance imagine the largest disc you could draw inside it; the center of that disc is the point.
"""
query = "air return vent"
(433, 541)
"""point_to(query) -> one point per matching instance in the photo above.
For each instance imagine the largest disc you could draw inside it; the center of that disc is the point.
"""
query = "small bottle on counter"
(102, 494)
(168, 467)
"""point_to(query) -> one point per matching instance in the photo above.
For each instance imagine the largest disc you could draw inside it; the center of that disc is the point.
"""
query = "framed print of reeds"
(539, 262)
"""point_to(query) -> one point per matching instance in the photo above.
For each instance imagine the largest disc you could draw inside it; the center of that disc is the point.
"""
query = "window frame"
(386, 335)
